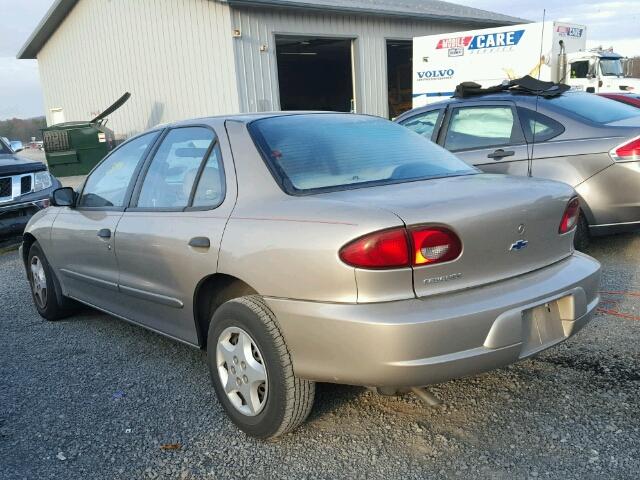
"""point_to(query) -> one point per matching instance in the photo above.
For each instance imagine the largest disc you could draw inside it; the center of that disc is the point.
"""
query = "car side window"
(580, 69)
(173, 170)
(211, 188)
(108, 184)
(543, 127)
(423, 123)
(482, 127)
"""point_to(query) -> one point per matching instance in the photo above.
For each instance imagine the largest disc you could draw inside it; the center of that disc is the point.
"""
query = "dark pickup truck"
(25, 186)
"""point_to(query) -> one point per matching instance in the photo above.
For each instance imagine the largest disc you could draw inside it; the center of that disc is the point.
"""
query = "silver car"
(590, 142)
(315, 247)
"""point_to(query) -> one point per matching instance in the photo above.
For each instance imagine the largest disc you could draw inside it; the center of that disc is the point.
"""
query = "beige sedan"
(315, 247)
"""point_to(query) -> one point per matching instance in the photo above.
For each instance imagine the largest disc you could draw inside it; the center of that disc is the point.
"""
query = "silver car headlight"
(42, 180)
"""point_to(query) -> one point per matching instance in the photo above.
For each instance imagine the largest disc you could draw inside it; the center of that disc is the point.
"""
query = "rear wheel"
(251, 370)
(581, 238)
(47, 297)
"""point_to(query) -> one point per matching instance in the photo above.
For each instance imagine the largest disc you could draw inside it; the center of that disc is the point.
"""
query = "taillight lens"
(399, 247)
(434, 245)
(570, 216)
(627, 152)
(385, 249)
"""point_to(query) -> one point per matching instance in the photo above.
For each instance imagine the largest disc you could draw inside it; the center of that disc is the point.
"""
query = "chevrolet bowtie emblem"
(519, 245)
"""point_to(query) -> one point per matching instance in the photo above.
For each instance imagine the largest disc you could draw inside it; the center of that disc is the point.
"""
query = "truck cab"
(599, 71)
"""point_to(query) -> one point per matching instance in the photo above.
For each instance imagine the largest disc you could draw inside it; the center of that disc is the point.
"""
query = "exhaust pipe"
(426, 396)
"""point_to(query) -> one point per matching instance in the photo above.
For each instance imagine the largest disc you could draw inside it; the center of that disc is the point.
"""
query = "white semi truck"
(551, 51)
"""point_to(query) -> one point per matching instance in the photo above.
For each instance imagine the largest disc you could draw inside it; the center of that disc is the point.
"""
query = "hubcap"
(38, 282)
(242, 371)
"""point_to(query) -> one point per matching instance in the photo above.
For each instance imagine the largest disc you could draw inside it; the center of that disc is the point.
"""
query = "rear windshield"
(594, 108)
(318, 152)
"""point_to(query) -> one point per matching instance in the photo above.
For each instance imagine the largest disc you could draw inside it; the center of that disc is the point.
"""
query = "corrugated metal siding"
(258, 73)
(174, 56)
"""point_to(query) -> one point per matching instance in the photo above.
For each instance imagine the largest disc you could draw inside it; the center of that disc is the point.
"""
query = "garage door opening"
(399, 73)
(315, 73)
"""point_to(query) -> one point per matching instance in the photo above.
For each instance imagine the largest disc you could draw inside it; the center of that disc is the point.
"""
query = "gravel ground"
(93, 397)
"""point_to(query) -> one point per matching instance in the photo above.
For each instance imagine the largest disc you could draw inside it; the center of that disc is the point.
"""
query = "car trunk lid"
(508, 225)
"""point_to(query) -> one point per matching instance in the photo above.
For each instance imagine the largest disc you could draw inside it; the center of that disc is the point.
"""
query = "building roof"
(425, 9)
(421, 9)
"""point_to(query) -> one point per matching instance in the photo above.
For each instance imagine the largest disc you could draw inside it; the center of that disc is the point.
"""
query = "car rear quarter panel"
(288, 246)
(572, 161)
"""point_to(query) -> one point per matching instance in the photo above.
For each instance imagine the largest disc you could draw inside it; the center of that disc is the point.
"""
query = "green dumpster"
(74, 148)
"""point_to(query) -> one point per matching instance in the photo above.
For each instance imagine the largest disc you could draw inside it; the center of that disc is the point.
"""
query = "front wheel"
(49, 301)
(251, 370)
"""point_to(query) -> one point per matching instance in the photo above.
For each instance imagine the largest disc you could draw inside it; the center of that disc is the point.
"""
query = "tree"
(22, 129)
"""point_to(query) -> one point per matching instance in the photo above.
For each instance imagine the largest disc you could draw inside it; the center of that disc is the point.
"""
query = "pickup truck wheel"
(251, 370)
(47, 298)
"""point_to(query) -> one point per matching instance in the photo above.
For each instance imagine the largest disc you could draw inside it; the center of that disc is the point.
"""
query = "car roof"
(246, 117)
(497, 96)
(517, 97)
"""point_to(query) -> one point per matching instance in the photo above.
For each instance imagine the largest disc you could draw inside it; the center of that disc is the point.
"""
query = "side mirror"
(63, 197)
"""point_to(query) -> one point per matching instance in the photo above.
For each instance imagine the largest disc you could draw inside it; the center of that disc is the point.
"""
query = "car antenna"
(533, 139)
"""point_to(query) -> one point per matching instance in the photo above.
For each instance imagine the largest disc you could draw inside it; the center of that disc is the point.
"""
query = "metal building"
(189, 58)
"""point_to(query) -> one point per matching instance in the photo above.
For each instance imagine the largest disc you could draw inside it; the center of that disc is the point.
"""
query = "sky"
(609, 23)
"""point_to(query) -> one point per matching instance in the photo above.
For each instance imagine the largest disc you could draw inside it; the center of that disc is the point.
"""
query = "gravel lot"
(93, 397)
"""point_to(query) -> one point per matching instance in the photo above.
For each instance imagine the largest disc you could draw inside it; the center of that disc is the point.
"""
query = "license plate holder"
(542, 326)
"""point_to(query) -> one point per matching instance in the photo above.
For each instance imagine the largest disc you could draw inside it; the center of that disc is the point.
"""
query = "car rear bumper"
(424, 341)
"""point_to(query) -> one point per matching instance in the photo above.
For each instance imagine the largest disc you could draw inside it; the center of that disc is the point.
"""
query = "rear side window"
(174, 168)
(423, 123)
(320, 152)
(538, 126)
(108, 184)
(482, 127)
(593, 107)
(211, 187)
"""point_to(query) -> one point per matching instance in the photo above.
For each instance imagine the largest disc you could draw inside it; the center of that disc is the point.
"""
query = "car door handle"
(199, 242)
(104, 233)
(500, 153)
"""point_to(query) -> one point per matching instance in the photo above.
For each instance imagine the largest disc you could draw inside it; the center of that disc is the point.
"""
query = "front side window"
(580, 69)
(174, 168)
(424, 123)
(482, 127)
(538, 127)
(319, 152)
(108, 184)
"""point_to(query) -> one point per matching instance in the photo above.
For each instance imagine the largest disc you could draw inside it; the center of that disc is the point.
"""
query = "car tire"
(286, 400)
(581, 238)
(45, 289)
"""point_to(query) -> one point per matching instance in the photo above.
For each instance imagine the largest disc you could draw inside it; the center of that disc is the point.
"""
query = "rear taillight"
(385, 249)
(400, 247)
(570, 216)
(434, 245)
(627, 152)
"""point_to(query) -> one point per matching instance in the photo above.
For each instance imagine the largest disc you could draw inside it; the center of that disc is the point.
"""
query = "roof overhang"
(348, 6)
(46, 28)
(61, 8)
